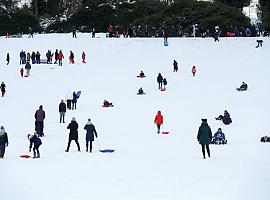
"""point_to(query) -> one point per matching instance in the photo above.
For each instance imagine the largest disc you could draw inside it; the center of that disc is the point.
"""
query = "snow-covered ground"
(145, 165)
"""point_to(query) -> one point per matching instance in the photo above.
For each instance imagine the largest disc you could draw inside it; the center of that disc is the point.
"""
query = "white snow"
(145, 165)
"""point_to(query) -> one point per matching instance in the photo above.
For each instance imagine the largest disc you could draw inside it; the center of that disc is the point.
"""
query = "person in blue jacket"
(3, 141)
(36, 141)
(90, 131)
(219, 137)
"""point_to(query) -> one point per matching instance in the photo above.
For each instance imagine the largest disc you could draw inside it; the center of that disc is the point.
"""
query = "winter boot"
(35, 156)
(38, 155)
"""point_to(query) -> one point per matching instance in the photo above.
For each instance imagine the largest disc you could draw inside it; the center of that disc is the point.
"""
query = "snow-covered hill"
(145, 165)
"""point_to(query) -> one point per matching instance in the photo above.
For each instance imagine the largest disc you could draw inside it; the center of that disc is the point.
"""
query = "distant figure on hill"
(83, 57)
(3, 141)
(265, 139)
(226, 119)
(142, 75)
(38, 57)
(165, 34)
(259, 43)
(175, 66)
(28, 56)
(193, 70)
(74, 32)
(21, 72)
(39, 123)
(164, 83)
(33, 57)
(90, 131)
(3, 89)
(110, 30)
(216, 33)
(204, 137)
(140, 91)
(74, 100)
(36, 141)
(107, 104)
(71, 57)
(56, 53)
(219, 137)
(73, 134)
(243, 87)
(93, 33)
(28, 68)
(160, 81)
(158, 121)
(48, 56)
(62, 111)
(8, 58)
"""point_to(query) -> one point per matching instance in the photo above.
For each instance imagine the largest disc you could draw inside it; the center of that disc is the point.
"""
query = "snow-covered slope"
(145, 165)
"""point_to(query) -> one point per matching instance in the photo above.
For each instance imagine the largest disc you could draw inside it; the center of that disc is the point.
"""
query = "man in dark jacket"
(34, 140)
(62, 111)
(38, 57)
(3, 89)
(160, 81)
(74, 100)
(73, 134)
(28, 68)
(91, 130)
(39, 123)
(3, 141)
(204, 137)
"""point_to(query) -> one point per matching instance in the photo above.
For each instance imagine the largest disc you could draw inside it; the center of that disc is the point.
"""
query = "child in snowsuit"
(164, 83)
(3, 89)
(28, 68)
(36, 141)
(90, 131)
(3, 141)
(140, 91)
(219, 137)
(107, 104)
(60, 57)
(193, 70)
(158, 121)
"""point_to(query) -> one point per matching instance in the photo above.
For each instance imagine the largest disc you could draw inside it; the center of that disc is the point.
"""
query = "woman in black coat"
(204, 137)
(159, 80)
(73, 134)
(91, 130)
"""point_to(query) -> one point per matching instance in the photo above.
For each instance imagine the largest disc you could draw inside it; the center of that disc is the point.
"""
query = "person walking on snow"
(193, 70)
(74, 100)
(35, 142)
(38, 57)
(8, 58)
(62, 111)
(3, 89)
(83, 57)
(28, 68)
(71, 58)
(39, 123)
(56, 56)
(175, 66)
(3, 141)
(204, 137)
(164, 83)
(158, 121)
(90, 131)
(159, 80)
(73, 134)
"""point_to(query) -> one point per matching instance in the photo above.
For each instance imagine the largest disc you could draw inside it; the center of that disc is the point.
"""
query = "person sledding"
(107, 104)
(219, 137)
(265, 139)
(259, 43)
(140, 91)
(226, 119)
(35, 142)
(142, 75)
(243, 87)
(158, 121)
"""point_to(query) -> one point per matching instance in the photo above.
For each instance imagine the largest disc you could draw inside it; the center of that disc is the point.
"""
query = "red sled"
(165, 132)
(25, 156)
(164, 89)
(26, 76)
(106, 106)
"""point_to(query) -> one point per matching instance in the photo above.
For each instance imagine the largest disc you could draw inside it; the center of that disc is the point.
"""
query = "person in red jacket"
(158, 120)
(21, 71)
(60, 57)
(193, 70)
(110, 30)
(83, 57)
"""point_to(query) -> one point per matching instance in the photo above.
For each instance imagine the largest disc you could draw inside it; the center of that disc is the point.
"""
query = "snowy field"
(145, 165)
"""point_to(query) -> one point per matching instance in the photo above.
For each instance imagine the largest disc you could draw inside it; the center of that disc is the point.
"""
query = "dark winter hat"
(2, 127)
(219, 129)
(204, 120)
(40, 107)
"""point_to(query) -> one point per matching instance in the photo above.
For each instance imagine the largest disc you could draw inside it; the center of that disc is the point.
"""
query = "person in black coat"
(38, 57)
(36, 141)
(204, 137)
(74, 100)
(3, 141)
(8, 58)
(62, 111)
(73, 134)
(33, 57)
(243, 87)
(159, 80)
(56, 56)
(3, 89)
(90, 131)
(164, 82)
(175, 66)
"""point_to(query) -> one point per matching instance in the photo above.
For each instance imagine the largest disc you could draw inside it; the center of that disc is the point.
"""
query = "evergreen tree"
(264, 12)
(239, 4)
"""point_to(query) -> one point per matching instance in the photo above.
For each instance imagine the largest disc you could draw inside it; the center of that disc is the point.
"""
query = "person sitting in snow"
(165, 83)
(142, 75)
(107, 104)
(265, 139)
(36, 141)
(260, 42)
(219, 137)
(243, 87)
(140, 91)
(226, 119)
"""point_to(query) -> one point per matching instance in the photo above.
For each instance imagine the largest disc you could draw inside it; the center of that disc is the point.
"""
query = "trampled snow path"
(145, 165)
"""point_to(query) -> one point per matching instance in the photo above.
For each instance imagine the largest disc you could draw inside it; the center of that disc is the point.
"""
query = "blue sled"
(166, 43)
(79, 94)
(107, 151)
